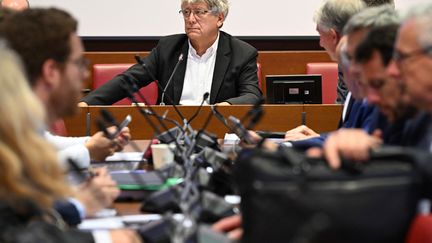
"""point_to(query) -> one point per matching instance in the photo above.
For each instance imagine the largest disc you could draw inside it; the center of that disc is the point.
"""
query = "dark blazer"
(235, 77)
(418, 131)
(68, 212)
(27, 225)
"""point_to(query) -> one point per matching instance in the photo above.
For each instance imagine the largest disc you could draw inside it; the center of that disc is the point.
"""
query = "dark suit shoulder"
(172, 41)
(237, 44)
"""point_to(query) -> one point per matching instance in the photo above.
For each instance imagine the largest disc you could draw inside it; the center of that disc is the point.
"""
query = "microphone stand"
(144, 66)
(180, 59)
(190, 195)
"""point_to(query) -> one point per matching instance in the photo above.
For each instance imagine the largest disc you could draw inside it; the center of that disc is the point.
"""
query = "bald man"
(15, 4)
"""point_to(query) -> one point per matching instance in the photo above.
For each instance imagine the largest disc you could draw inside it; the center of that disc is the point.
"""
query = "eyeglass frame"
(82, 63)
(198, 13)
(399, 56)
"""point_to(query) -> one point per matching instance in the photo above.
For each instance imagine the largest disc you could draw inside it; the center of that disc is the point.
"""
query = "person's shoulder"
(236, 43)
(170, 39)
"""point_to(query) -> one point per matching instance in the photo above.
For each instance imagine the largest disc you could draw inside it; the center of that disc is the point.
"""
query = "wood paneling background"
(272, 62)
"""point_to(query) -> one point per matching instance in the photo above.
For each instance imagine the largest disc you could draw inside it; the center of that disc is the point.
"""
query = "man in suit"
(408, 82)
(360, 114)
(330, 20)
(212, 61)
(55, 73)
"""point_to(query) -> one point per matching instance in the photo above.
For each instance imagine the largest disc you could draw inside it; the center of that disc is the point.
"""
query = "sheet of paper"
(109, 223)
(125, 156)
(102, 224)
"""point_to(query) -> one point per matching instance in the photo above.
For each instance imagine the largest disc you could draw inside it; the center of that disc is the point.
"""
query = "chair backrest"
(105, 72)
(420, 230)
(329, 73)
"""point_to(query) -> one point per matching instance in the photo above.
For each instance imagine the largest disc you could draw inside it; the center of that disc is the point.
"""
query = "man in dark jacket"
(208, 60)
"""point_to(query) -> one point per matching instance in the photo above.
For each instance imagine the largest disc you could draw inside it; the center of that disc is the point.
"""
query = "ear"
(221, 19)
(335, 37)
(50, 75)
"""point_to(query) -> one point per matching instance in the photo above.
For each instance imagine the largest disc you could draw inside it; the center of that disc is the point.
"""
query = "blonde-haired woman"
(30, 177)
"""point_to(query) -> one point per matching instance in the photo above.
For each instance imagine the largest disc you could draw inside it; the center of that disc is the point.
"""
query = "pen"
(80, 172)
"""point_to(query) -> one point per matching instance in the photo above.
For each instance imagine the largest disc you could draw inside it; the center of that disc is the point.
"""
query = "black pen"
(80, 172)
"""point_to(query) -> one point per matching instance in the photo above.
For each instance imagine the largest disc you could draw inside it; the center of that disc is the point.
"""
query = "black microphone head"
(206, 95)
(138, 59)
(107, 116)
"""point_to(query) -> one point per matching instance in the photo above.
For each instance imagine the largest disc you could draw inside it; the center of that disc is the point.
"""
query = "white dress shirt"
(345, 107)
(199, 74)
(70, 148)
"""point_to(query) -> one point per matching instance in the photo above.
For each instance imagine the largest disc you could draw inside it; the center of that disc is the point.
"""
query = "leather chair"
(105, 72)
(420, 230)
(329, 73)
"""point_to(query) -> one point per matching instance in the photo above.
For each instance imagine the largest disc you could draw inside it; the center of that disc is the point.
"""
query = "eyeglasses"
(198, 13)
(82, 63)
(399, 56)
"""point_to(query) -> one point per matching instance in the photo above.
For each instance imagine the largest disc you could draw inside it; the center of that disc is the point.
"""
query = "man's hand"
(222, 103)
(255, 138)
(98, 192)
(352, 144)
(101, 147)
(299, 133)
(122, 139)
(232, 225)
(82, 104)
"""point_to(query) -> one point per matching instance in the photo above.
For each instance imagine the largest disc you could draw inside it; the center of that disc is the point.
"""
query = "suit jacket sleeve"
(243, 73)
(115, 89)
(305, 144)
(247, 83)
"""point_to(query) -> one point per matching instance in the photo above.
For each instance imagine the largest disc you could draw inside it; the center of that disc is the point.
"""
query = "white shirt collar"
(209, 52)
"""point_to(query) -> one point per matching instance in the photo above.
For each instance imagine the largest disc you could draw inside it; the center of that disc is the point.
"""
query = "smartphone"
(122, 125)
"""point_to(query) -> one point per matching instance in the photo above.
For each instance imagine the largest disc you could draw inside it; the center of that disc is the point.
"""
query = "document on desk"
(232, 139)
(125, 156)
(121, 161)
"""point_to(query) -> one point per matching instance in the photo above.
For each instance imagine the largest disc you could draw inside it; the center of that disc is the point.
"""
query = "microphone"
(144, 66)
(130, 84)
(205, 97)
(180, 59)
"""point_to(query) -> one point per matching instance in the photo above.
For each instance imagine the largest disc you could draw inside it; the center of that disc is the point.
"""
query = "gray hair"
(422, 15)
(334, 14)
(216, 6)
(371, 18)
(375, 3)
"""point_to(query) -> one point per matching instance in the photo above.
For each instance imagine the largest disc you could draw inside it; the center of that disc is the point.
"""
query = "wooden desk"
(321, 118)
(127, 208)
